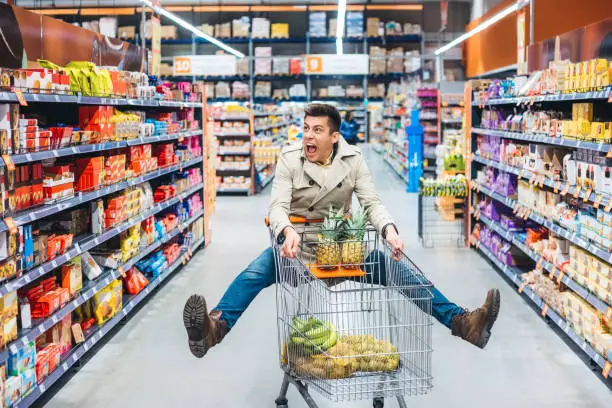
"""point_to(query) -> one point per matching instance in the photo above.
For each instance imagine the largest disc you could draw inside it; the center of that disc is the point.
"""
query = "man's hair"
(320, 109)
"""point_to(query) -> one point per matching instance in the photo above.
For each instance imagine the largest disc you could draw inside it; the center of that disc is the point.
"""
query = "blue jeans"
(261, 273)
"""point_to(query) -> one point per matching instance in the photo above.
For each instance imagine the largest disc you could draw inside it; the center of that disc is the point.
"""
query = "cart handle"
(296, 220)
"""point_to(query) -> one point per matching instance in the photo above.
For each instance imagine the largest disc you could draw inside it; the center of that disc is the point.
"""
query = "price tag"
(522, 287)
(606, 369)
(121, 272)
(587, 194)
(9, 162)
(597, 201)
(544, 310)
(565, 190)
(539, 263)
(560, 277)
(577, 192)
(20, 97)
(10, 224)
(556, 188)
(527, 212)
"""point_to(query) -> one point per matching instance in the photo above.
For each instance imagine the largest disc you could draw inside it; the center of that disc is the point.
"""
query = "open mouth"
(310, 148)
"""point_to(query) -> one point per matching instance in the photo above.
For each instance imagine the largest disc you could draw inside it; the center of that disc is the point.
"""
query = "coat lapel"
(337, 171)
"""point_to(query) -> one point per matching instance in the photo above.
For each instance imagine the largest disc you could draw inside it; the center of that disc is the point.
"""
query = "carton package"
(127, 33)
(207, 29)
(169, 32)
(395, 62)
(317, 24)
(376, 90)
(263, 62)
(242, 67)
(333, 27)
(240, 27)
(373, 27)
(354, 24)
(222, 90)
(263, 89)
(223, 30)
(281, 66)
(280, 30)
(261, 28)
(295, 66)
(108, 26)
(378, 63)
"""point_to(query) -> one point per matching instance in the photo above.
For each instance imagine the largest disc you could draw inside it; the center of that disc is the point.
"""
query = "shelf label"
(522, 287)
(560, 277)
(544, 310)
(539, 263)
(9, 162)
(587, 194)
(20, 97)
(565, 190)
(597, 201)
(121, 272)
(577, 191)
(606, 370)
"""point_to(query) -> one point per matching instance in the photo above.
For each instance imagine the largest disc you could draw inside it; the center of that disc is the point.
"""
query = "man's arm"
(282, 187)
(370, 200)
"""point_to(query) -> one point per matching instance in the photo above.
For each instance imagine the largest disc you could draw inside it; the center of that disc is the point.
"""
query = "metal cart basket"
(353, 322)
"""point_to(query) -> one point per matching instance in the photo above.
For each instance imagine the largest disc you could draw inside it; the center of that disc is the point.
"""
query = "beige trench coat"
(301, 189)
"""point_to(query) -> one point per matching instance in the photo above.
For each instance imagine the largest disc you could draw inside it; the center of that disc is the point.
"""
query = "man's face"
(317, 138)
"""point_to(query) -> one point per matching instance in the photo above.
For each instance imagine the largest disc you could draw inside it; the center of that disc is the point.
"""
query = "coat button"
(311, 182)
(311, 209)
(339, 185)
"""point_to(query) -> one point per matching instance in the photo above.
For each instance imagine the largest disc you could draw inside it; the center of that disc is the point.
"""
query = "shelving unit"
(430, 120)
(395, 147)
(17, 223)
(559, 189)
(268, 141)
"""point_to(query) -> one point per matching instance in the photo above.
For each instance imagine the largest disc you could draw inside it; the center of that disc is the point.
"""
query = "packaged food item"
(12, 392)
(23, 359)
(89, 266)
(72, 275)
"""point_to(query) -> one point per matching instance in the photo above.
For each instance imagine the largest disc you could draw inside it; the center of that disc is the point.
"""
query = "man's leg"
(205, 330)
(475, 327)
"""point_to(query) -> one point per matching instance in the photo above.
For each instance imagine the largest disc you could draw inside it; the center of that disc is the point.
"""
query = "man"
(320, 172)
(349, 128)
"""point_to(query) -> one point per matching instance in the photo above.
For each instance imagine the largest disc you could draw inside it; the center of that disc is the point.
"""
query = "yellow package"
(107, 302)
(280, 30)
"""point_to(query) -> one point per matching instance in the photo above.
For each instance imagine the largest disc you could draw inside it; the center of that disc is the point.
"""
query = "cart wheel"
(281, 402)
(379, 402)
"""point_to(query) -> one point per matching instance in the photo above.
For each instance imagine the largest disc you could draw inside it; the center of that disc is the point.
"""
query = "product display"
(541, 201)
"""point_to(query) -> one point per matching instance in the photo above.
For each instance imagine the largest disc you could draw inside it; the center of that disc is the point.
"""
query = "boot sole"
(194, 319)
(491, 318)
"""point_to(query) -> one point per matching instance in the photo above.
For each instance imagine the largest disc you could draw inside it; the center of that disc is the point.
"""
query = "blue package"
(28, 381)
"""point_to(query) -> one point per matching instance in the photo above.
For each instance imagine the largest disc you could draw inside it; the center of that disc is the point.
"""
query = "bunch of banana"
(313, 333)
(374, 355)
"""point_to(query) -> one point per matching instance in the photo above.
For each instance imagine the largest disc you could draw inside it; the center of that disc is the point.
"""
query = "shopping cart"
(353, 323)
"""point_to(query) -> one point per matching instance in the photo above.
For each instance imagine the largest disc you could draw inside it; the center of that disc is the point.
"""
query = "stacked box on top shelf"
(317, 24)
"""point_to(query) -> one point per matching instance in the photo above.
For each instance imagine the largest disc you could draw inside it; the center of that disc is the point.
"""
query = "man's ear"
(335, 136)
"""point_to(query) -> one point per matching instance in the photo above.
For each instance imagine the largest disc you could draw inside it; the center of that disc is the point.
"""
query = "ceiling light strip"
(199, 33)
(340, 26)
(480, 27)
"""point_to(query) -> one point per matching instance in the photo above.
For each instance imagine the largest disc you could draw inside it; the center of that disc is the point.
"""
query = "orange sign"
(314, 64)
(182, 65)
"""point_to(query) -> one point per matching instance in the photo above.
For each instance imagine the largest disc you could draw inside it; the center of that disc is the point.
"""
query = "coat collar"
(336, 171)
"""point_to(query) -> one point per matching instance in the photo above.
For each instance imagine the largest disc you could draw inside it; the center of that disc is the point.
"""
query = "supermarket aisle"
(147, 364)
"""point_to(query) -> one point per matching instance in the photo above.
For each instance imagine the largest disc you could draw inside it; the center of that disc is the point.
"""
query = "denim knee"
(262, 269)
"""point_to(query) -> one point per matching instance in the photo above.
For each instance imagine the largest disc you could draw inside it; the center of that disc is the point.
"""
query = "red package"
(134, 281)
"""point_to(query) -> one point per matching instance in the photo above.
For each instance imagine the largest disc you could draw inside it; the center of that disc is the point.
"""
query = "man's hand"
(396, 243)
(292, 243)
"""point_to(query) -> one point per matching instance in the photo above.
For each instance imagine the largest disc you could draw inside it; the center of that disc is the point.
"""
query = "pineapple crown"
(355, 226)
(331, 227)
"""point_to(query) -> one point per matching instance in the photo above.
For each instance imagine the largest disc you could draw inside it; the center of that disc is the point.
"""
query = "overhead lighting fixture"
(199, 33)
(487, 23)
(340, 25)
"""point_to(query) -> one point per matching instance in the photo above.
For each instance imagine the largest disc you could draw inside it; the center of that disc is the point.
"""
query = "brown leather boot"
(204, 330)
(475, 327)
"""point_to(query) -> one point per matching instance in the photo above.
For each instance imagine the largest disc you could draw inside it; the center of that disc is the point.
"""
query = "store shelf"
(545, 139)
(94, 100)
(233, 134)
(599, 94)
(244, 190)
(568, 235)
(337, 77)
(98, 333)
(264, 128)
(603, 199)
(91, 288)
(234, 153)
(264, 100)
(91, 148)
(268, 114)
(232, 117)
(27, 216)
(408, 38)
(90, 242)
(452, 121)
(391, 164)
(514, 275)
(294, 77)
(348, 40)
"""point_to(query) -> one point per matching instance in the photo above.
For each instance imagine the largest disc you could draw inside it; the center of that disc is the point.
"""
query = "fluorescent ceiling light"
(191, 28)
(340, 25)
(487, 23)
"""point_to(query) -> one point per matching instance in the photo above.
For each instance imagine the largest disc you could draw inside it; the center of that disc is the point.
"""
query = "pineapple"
(328, 249)
(353, 247)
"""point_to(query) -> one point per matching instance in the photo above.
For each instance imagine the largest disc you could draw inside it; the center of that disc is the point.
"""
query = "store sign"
(206, 65)
(332, 64)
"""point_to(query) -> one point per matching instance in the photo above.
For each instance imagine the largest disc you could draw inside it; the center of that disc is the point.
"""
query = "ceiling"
(112, 3)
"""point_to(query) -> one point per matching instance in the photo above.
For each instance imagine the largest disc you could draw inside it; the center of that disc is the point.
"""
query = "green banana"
(331, 341)
(319, 331)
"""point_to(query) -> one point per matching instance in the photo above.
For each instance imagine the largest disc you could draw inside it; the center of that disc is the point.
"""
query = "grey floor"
(147, 363)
